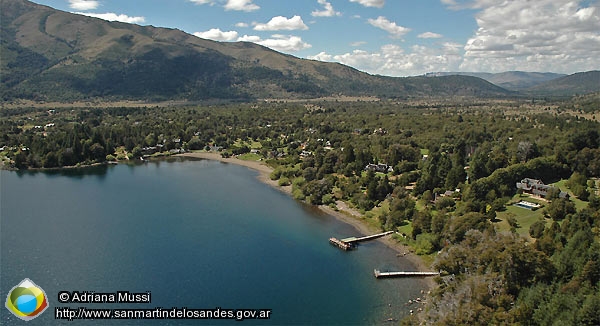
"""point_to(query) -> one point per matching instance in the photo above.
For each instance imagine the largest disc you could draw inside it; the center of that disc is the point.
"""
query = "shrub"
(425, 244)
(276, 174)
(284, 182)
(328, 199)
(298, 194)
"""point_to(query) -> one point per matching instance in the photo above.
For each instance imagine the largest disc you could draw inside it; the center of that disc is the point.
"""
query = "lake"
(196, 234)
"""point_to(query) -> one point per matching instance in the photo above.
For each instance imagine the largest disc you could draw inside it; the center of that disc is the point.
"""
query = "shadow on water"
(98, 171)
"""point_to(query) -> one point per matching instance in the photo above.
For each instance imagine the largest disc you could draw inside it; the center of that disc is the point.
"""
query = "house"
(383, 168)
(538, 188)
(305, 153)
(448, 193)
(149, 150)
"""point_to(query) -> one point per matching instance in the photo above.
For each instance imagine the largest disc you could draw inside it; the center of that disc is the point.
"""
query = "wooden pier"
(350, 243)
(379, 274)
(366, 238)
(340, 244)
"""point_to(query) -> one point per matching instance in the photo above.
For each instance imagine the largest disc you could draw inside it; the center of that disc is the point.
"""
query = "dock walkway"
(366, 238)
(379, 274)
(350, 243)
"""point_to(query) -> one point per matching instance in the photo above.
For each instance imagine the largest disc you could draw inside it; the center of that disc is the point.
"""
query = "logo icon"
(26, 300)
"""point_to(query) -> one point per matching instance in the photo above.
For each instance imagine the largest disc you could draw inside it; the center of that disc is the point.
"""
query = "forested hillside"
(442, 174)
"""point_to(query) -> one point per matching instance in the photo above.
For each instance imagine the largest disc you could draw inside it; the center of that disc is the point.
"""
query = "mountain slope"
(53, 55)
(579, 83)
(512, 80)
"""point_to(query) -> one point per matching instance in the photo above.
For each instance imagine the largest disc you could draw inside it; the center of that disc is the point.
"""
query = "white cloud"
(321, 56)
(218, 35)
(279, 23)
(469, 4)
(249, 38)
(388, 26)
(241, 24)
(371, 3)
(203, 2)
(241, 5)
(283, 43)
(110, 16)
(327, 11)
(83, 4)
(430, 35)
(449, 2)
(392, 60)
(541, 35)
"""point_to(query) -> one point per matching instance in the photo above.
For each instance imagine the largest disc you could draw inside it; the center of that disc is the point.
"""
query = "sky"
(386, 37)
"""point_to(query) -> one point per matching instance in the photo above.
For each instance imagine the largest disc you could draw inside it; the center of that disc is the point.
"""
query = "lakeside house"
(536, 187)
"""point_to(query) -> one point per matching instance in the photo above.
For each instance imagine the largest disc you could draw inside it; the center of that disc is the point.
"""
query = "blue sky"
(386, 37)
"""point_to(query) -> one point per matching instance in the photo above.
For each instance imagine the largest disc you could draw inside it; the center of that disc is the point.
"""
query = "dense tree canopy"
(443, 172)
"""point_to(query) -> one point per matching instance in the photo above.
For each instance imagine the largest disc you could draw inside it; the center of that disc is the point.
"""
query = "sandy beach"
(344, 213)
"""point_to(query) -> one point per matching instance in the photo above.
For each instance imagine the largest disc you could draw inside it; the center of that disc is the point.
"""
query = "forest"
(443, 175)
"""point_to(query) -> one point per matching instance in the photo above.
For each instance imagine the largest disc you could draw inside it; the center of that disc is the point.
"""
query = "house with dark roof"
(538, 188)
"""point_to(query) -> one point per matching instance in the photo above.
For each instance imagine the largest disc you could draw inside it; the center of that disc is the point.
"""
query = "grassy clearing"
(249, 157)
(406, 229)
(579, 204)
(252, 144)
(525, 218)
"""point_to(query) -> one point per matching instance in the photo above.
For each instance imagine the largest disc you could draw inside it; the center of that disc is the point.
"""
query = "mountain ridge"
(578, 83)
(53, 55)
(511, 80)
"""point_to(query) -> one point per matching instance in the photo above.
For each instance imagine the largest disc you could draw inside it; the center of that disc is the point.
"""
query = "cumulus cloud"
(321, 56)
(217, 35)
(283, 43)
(241, 5)
(392, 60)
(110, 16)
(542, 35)
(430, 35)
(83, 4)
(388, 26)
(241, 24)
(468, 4)
(371, 3)
(249, 38)
(279, 23)
(327, 11)
(203, 2)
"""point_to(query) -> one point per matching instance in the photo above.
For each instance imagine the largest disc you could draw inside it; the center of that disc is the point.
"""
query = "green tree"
(559, 208)
(50, 160)
(536, 230)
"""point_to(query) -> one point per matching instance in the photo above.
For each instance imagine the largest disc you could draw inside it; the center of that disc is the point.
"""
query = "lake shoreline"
(344, 214)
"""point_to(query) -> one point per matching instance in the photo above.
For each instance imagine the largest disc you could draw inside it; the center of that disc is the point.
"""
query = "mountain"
(53, 55)
(579, 83)
(512, 80)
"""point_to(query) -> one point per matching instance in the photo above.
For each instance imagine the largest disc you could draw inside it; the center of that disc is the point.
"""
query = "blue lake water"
(195, 234)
